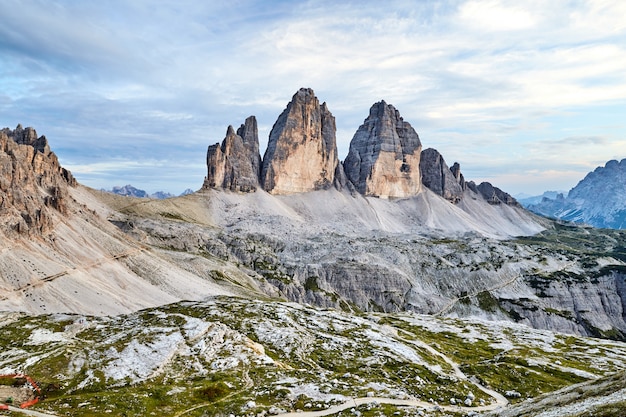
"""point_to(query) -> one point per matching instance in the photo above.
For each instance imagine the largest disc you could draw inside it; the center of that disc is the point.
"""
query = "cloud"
(491, 84)
(493, 15)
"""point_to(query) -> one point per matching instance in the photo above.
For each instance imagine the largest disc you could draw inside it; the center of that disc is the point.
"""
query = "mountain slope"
(599, 199)
(86, 264)
(58, 254)
(333, 249)
(106, 254)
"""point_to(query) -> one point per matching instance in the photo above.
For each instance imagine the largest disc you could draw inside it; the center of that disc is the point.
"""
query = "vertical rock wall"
(32, 183)
(235, 164)
(301, 154)
(384, 155)
(437, 177)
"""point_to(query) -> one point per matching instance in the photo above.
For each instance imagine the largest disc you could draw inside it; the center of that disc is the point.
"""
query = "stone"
(456, 171)
(495, 196)
(234, 165)
(32, 183)
(301, 154)
(383, 160)
(437, 177)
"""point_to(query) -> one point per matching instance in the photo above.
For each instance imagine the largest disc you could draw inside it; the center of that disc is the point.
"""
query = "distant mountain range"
(598, 200)
(130, 191)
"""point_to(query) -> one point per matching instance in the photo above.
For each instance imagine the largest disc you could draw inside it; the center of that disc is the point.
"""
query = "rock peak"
(301, 153)
(33, 185)
(436, 176)
(236, 163)
(384, 155)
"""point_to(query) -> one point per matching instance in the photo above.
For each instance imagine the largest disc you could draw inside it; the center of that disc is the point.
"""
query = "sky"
(528, 95)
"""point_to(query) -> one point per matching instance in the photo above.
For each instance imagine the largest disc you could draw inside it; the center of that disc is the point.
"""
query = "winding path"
(40, 281)
(500, 400)
(455, 300)
(30, 412)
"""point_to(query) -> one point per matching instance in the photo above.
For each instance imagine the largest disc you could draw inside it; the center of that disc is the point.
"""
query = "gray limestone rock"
(28, 136)
(301, 153)
(438, 177)
(249, 133)
(384, 155)
(456, 171)
(235, 164)
(495, 196)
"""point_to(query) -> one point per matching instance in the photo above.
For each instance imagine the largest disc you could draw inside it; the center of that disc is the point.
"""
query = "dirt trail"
(453, 301)
(500, 400)
(30, 412)
(50, 278)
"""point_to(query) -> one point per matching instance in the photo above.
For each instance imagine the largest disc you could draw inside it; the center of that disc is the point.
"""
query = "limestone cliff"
(301, 153)
(494, 195)
(31, 182)
(440, 179)
(235, 165)
(384, 155)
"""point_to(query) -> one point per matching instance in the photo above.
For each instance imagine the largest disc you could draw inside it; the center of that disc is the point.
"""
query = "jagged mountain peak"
(383, 160)
(439, 178)
(599, 199)
(235, 164)
(301, 154)
(33, 185)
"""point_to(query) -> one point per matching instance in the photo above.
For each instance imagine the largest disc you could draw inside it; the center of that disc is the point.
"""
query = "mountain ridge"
(598, 199)
(384, 159)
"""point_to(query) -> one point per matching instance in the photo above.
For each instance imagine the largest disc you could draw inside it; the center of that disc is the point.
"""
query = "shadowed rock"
(494, 195)
(235, 164)
(384, 155)
(437, 177)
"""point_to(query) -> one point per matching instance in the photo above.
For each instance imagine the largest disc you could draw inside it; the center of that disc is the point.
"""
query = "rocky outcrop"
(384, 155)
(301, 153)
(494, 195)
(235, 165)
(440, 179)
(458, 177)
(31, 182)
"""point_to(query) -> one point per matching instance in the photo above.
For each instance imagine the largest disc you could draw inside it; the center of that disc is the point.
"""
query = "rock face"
(31, 182)
(384, 155)
(494, 195)
(301, 153)
(235, 165)
(458, 177)
(440, 179)
(599, 199)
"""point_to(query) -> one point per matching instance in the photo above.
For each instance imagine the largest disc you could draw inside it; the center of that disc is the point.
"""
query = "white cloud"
(493, 15)
(478, 79)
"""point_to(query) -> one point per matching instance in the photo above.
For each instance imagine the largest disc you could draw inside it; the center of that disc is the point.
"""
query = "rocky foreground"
(233, 356)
